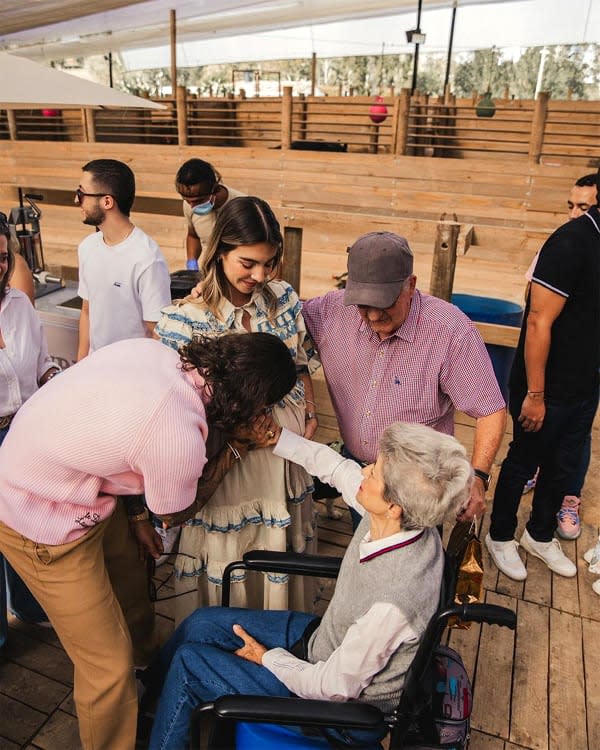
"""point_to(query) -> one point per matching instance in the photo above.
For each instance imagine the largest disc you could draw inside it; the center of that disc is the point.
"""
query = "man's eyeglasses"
(79, 194)
(153, 589)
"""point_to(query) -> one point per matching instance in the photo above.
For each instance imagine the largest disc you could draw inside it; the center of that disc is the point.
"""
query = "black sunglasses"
(79, 194)
(153, 589)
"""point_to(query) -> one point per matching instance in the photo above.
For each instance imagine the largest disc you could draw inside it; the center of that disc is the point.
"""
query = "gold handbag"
(464, 546)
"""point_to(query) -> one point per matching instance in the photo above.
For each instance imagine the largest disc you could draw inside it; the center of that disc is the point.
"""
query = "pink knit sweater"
(125, 420)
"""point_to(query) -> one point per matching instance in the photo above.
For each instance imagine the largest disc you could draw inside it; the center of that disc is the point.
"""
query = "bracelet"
(144, 516)
(53, 374)
(535, 393)
(310, 415)
(484, 476)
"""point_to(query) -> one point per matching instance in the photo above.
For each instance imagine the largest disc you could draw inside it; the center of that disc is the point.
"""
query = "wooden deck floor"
(536, 689)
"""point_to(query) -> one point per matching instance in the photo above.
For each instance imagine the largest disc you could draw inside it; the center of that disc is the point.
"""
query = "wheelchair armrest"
(488, 613)
(292, 562)
(267, 561)
(293, 711)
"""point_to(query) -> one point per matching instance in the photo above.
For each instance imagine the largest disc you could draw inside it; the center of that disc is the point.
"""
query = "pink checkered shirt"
(434, 363)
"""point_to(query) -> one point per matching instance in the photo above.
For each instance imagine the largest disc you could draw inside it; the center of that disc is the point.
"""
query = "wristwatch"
(484, 476)
(143, 516)
(310, 415)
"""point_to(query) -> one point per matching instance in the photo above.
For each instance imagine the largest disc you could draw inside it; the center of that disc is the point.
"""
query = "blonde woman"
(263, 502)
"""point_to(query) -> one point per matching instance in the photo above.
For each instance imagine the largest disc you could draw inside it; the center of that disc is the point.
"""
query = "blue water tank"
(491, 310)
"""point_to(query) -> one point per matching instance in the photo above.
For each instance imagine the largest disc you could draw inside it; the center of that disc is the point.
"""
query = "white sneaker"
(592, 556)
(551, 553)
(506, 558)
(169, 539)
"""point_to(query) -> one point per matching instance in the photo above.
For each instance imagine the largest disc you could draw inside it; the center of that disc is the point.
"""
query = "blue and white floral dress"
(263, 502)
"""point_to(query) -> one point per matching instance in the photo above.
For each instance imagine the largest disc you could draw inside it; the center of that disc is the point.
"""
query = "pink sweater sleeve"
(171, 456)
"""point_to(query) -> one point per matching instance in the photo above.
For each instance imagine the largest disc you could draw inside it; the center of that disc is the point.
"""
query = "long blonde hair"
(246, 220)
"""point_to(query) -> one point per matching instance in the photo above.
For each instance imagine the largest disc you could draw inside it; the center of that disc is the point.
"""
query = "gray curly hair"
(426, 472)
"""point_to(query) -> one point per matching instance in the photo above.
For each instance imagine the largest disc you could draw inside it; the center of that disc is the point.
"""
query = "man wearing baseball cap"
(391, 353)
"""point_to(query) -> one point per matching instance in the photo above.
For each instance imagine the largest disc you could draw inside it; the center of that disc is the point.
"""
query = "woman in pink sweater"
(130, 418)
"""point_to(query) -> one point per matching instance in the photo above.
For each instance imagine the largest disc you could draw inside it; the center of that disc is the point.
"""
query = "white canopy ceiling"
(51, 29)
(28, 85)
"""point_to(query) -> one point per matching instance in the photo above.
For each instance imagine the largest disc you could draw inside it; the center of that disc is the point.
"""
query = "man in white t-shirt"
(123, 277)
(204, 195)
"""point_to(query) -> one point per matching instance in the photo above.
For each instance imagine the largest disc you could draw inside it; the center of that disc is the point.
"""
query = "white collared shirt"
(25, 358)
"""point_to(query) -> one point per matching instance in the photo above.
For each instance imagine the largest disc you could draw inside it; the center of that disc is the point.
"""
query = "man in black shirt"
(553, 393)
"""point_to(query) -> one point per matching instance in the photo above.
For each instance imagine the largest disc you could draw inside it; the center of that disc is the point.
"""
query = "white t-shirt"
(125, 285)
(25, 358)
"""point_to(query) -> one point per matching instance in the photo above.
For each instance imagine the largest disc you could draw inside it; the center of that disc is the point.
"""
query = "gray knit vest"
(409, 577)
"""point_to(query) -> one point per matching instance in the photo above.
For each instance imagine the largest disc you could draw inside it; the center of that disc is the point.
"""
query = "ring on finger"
(270, 434)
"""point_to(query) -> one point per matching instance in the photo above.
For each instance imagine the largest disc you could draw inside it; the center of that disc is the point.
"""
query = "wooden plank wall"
(334, 198)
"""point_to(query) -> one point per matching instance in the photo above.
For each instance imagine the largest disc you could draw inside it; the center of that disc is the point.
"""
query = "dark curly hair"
(5, 232)
(244, 373)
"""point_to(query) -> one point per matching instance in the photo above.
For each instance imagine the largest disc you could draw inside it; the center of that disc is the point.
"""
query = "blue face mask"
(204, 208)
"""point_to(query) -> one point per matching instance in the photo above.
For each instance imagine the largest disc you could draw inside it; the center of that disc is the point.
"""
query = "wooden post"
(402, 105)
(538, 125)
(313, 74)
(444, 259)
(303, 117)
(181, 104)
(286, 118)
(373, 138)
(89, 125)
(173, 27)
(12, 124)
(292, 256)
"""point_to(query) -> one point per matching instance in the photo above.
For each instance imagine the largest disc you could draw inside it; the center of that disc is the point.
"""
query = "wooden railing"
(540, 131)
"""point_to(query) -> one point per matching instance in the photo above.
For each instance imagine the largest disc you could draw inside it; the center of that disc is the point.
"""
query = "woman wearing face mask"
(24, 366)
(204, 195)
(263, 502)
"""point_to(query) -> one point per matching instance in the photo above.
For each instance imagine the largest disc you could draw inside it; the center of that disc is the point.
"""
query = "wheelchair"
(249, 722)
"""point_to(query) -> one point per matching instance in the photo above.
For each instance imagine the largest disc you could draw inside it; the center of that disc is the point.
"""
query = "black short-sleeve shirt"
(569, 265)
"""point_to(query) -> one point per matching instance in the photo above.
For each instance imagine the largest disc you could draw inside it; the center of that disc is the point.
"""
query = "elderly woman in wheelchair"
(387, 590)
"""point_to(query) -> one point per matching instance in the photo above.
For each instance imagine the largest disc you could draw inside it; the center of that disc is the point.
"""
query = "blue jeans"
(197, 665)
(14, 594)
(557, 449)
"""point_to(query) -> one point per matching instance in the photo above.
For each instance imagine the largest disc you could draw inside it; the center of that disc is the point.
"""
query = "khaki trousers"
(129, 580)
(72, 583)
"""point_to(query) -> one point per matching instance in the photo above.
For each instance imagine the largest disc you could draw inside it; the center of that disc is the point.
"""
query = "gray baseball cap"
(378, 264)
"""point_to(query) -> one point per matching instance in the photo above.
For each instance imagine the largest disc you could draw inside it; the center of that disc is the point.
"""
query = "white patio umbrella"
(28, 85)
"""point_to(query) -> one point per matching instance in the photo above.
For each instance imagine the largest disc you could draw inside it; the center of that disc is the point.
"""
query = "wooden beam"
(181, 105)
(538, 125)
(11, 118)
(173, 39)
(444, 259)
(313, 74)
(292, 256)
(286, 117)
(401, 120)
(494, 333)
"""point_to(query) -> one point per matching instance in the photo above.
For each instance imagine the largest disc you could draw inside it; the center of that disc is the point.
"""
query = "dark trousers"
(557, 449)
